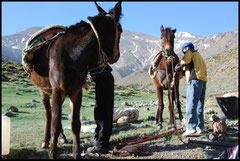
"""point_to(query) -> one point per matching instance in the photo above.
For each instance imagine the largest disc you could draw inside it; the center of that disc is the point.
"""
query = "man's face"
(186, 49)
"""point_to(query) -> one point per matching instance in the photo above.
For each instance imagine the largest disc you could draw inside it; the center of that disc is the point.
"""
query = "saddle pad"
(44, 34)
(36, 41)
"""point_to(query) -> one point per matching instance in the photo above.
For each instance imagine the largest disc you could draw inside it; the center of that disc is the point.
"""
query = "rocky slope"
(137, 49)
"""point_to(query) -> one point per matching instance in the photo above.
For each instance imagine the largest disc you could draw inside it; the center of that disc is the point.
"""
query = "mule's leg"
(47, 107)
(47, 136)
(75, 103)
(160, 107)
(178, 103)
(62, 137)
(55, 122)
(171, 107)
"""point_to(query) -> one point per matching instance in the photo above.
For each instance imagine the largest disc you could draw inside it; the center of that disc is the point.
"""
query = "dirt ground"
(171, 147)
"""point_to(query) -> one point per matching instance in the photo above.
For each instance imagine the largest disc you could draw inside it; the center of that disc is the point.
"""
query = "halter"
(103, 58)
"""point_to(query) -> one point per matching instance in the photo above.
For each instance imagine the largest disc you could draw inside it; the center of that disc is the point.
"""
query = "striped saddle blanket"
(36, 41)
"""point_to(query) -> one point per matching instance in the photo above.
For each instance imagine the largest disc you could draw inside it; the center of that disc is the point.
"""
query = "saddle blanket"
(44, 34)
(36, 41)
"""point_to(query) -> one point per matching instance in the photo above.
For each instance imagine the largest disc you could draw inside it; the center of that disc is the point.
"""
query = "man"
(103, 111)
(196, 77)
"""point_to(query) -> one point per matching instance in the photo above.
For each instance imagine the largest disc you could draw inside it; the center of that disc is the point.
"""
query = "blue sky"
(199, 18)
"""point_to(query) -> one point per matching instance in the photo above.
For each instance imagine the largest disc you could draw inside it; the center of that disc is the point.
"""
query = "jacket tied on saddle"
(165, 77)
(37, 41)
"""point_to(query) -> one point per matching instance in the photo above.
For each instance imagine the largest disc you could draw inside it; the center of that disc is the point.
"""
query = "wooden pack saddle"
(164, 77)
(37, 41)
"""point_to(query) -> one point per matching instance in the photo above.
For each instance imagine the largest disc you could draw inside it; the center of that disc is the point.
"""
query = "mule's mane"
(78, 28)
(167, 30)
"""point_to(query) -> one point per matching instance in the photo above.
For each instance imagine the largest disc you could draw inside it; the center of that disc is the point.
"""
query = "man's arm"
(179, 67)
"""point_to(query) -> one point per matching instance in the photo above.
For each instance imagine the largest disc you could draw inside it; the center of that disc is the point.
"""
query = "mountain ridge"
(136, 49)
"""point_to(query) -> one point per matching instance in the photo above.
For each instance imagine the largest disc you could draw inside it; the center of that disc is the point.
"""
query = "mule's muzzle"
(169, 52)
(114, 58)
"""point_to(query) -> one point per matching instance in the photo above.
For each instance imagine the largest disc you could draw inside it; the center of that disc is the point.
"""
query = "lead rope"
(175, 92)
(103, 59)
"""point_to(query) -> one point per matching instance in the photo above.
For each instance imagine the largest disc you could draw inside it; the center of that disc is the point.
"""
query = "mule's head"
(167, 36)
(109, 30)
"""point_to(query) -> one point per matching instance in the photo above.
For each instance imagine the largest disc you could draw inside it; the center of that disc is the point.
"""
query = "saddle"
(37, 41)
(165, 79)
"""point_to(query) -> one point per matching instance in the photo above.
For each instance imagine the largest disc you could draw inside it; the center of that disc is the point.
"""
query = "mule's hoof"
(171, 127)
(77, 156)
(45, 145)
(159, 126)
(63, 140)
(52, 155)
(181, 117)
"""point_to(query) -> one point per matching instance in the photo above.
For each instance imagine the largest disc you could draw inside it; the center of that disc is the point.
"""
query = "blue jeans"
(195, 104)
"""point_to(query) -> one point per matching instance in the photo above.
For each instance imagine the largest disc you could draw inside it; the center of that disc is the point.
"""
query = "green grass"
(27, 125)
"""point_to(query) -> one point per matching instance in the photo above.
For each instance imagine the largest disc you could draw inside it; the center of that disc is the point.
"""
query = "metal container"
(227, 107)
(5, 135)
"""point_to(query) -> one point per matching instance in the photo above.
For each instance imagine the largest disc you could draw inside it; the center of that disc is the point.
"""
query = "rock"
(35, 101)
(214, 118)
(151, 118)
(209, 111)
(12, 109)
(212, 137)
(8, 114)
(82, 118)
(147, 109)
(125, 104)
(227, 95)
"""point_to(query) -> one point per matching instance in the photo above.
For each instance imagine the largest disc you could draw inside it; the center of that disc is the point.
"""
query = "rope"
(175, 92)
(27, 64)
(171, 102)
(38, 46)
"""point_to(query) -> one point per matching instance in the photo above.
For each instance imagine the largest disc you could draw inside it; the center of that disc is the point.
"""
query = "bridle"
(103, 58)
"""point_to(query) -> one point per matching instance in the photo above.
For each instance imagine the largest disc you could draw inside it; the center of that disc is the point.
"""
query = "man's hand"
(179, 67)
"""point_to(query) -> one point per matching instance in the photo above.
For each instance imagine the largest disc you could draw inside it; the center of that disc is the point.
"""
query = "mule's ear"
(174, 30)
(100, 10)
(117, 11)
(162, 28)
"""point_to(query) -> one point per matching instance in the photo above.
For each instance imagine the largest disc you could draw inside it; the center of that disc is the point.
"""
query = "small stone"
(8, 114)
(35, 101)
(12, 109)
(147, 109)
(209, 111)
(151, 118)
(125, 103)
(82, 118)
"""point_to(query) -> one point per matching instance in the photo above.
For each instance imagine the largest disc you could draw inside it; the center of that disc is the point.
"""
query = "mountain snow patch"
(23, 39)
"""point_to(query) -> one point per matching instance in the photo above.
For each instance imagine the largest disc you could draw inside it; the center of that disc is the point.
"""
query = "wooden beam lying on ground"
(211, 143)
(151, 137)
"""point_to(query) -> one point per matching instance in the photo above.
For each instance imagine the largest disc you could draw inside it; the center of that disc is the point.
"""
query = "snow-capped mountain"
(13, 45)
(136, 49)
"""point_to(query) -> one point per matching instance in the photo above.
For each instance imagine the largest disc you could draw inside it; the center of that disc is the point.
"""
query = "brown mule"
(61, 68)
(163, 77)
